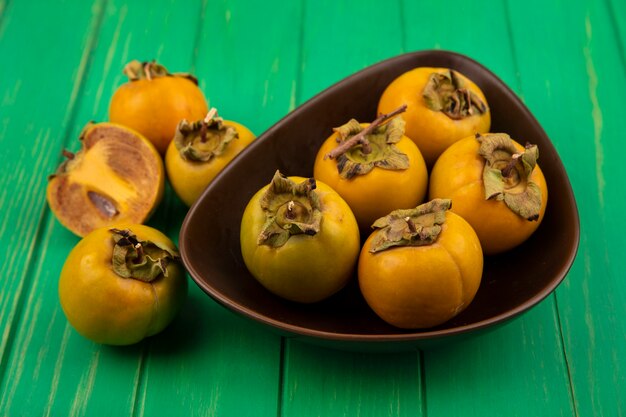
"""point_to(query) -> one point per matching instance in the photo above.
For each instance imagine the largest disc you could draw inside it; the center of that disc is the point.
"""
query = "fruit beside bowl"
(512, 282)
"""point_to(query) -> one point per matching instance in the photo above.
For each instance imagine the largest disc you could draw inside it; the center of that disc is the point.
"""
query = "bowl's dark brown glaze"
(512, 283)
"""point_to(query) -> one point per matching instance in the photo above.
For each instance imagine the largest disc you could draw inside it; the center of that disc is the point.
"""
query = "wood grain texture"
(340, 39)
(32, 132)
(575, 82)
(247, 76)
(248, 59)
(4, 6)
(52, 369)
(488, 41)
(337, 41)
(517, 370)
(525, 355)
(324, 382)
(78, 382)
(256, 61)
(616, 11)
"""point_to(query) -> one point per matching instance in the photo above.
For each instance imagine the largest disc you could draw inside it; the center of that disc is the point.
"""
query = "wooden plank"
(512, 371)
(339, 39)
(530, 362)
(32, 133)
(575, 84)
(342, 38)
(246, 72)
(570, 72)
(205, 366)
(247, 64)
(325, 382)
(487, 41)
(4, 4)
(31, 139)
(133, 31)
(52, 370)
(617, 16)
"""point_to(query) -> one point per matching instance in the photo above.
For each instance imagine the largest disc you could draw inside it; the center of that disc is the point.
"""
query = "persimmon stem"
(290, 214)
(68, 154)
(205, 124)
(203, 129)
(506, 171)
(411, 225)
(140, 253)
(360, 138)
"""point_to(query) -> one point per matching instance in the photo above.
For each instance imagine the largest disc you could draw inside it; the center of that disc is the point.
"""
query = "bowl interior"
(512, 282)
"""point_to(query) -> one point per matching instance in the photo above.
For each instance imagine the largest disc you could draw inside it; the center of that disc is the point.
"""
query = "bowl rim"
(418, 335)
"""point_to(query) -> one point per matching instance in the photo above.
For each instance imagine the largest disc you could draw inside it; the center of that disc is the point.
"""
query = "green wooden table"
(60, 61)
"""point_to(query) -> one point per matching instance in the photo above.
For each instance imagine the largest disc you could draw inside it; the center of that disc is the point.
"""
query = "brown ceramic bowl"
(512, 283)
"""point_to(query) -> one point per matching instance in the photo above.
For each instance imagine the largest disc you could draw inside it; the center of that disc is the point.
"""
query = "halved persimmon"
(116, 176)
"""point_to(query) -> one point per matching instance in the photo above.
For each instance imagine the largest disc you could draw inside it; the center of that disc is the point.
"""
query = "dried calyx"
(507, 173)
(141, 260)
(205, 139)
(420, 226)
(445, 92)
(290, 209)
(66, 165)
(73, 159)
(361, 149)
(137, 70)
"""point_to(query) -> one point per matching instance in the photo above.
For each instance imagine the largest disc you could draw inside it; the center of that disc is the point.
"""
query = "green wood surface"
(333, 47)
(616, 11)
(581, 66)
(468, 370)
(256, 61)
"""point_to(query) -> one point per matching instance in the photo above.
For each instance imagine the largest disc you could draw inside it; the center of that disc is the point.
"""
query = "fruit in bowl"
(374, 167)
(420, 267)
(443, 107)
(510, 285)
(299, 239)
(496, 185)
